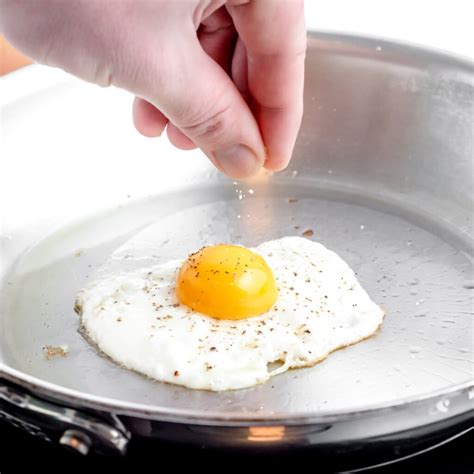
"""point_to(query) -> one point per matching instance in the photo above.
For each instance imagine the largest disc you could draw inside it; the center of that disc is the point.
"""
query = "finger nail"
(237, 161)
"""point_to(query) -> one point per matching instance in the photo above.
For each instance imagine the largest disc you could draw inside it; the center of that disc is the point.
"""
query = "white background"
(442, 24)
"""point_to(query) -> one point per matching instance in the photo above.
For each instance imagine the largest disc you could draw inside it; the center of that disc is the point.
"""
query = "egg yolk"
(226, 282)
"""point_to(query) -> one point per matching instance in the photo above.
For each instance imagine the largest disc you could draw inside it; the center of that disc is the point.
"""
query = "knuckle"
(209, 129)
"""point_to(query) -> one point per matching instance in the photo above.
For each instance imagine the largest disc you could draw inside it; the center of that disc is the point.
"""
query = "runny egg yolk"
(226, 282)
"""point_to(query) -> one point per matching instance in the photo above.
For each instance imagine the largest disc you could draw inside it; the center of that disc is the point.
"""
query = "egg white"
(136, 320)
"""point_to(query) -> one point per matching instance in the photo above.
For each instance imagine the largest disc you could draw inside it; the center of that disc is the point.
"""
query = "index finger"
(274, 35)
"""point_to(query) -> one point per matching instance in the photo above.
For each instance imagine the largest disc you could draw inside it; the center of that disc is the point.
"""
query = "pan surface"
(382, 174)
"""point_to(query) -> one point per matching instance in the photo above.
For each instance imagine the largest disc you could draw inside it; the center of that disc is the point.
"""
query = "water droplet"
(464, 350)
(238, 216)
(397, 368)
(362, 227)
(251, 191)
(420, 315)
(440, 342)
(414, 349)
(414, 282)
(443, 406)
(420, 302)
(469, 285)
(378, 48)
(409, 243)
(294, 173)
(413, 292)
(329, 171)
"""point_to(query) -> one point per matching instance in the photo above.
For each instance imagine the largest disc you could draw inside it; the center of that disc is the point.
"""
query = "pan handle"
(80, 431)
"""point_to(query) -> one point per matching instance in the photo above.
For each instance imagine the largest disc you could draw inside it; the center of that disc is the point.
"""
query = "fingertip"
(148, 120)
(280, 132)
(276, 164)
(237, 161)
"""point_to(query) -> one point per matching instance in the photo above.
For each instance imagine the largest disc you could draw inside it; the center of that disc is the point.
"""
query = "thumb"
(200, 99)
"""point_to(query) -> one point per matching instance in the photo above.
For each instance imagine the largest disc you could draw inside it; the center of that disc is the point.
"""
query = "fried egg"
(228, 317)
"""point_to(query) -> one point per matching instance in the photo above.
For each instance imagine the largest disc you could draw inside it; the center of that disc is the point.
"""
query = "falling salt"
(294, 173)
(362, 227)
(378, 48)
(250, 191)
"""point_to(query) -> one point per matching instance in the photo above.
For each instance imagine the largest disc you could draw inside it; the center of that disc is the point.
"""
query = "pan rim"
(140, 410)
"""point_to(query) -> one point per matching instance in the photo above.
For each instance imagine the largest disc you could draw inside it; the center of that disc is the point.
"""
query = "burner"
(453, 455)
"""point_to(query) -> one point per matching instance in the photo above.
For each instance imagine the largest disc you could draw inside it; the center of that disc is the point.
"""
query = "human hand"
(226, 76)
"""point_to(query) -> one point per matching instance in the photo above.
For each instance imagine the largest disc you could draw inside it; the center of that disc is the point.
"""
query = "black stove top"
(20, 452)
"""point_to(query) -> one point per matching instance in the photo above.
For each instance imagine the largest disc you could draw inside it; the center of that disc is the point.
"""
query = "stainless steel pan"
(382, 174)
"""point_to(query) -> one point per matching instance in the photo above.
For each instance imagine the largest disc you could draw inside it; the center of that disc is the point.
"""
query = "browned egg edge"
(83, 332)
